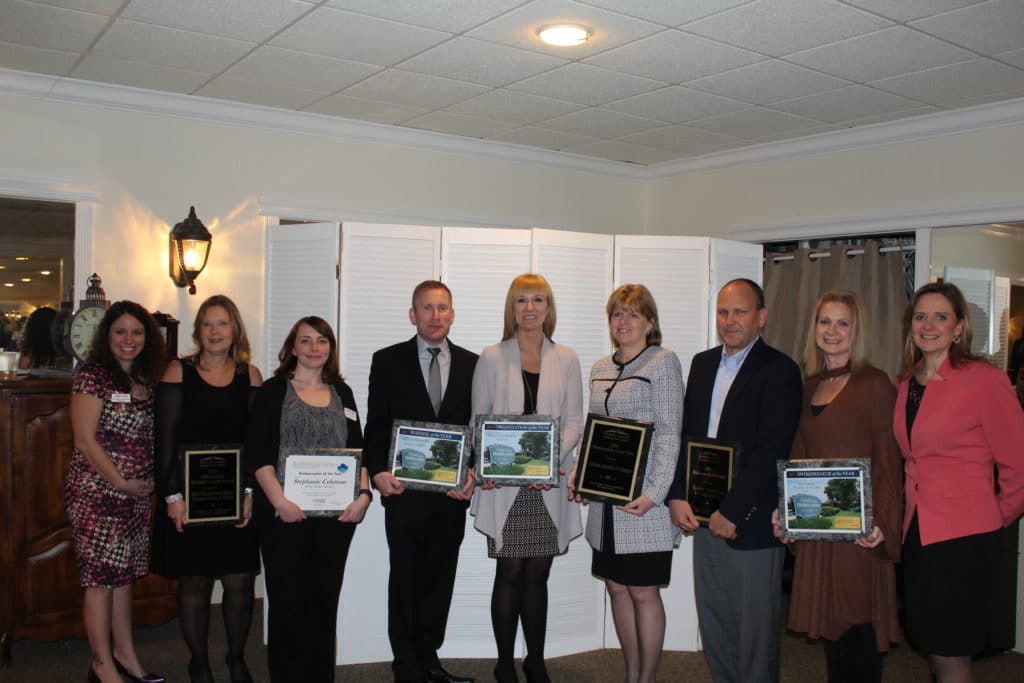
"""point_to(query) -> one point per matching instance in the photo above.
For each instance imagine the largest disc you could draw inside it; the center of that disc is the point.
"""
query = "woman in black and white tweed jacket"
(633, 542)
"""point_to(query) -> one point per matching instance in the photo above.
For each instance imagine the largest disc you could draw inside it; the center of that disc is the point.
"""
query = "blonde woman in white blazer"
(527, 526)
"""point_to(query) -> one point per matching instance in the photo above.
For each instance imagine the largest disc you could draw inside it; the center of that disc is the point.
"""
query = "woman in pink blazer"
(957, 421)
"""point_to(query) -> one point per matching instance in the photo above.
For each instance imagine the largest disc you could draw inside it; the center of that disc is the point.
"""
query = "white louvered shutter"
(477, 264)
(730, 260)
(578, 266)
(301, 280)
(1001, 322)
(978, 287)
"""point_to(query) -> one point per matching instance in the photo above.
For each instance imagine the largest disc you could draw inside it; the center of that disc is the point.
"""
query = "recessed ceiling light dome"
(564, 35)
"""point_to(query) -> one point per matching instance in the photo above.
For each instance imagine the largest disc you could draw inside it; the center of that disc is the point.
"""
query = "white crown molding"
(902, 221)
(283, 207)
(966, 120)
(125, 98)
(54, 189)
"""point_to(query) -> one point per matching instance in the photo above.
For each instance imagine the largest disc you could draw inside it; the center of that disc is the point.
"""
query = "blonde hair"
(521, 284)
(635, 298)
(240, 350)
(814, 358)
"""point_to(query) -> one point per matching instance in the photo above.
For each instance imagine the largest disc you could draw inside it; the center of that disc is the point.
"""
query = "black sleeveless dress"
(208, 414)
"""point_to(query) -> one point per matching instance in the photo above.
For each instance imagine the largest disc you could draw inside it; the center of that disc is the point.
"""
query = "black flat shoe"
(437, 674)
(237, 669)
(144, 678)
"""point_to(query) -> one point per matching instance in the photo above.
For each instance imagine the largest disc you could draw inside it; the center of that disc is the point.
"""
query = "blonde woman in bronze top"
(845, 593)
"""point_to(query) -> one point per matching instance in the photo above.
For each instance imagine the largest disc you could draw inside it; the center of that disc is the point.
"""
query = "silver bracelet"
(174, 498)
(247, 490)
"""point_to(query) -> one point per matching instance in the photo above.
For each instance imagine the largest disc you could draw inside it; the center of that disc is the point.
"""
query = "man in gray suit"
(750, 394)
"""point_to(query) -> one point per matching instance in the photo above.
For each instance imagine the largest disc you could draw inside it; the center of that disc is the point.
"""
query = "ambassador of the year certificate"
(322, 482)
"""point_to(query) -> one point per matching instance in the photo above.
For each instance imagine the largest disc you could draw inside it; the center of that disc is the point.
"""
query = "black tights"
(520, 592)
(194, 617)
(854, 658)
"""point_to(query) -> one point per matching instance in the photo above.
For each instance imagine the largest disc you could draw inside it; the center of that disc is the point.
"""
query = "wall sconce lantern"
(189, 249)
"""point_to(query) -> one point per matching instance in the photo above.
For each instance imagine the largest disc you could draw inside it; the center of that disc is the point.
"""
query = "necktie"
(434, 379)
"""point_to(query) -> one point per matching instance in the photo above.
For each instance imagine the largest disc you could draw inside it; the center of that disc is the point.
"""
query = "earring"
(956, 338)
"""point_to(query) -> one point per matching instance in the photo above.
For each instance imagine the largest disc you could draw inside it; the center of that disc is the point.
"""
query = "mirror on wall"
(37, 246)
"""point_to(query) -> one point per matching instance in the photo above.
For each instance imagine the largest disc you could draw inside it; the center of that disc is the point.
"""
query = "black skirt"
(633, 569)
(947, 592)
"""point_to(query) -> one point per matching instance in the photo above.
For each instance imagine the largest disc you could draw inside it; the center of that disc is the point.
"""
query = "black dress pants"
(305, 565)
(424, 531)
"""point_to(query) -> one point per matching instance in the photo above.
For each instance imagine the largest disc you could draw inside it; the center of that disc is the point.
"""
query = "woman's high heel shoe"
(144, 678)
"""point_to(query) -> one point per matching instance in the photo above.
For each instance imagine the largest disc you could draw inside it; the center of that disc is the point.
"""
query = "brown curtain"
(792, 288)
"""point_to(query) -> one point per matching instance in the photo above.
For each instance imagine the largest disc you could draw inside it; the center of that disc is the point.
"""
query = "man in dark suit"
(424, 529)
(747, 393)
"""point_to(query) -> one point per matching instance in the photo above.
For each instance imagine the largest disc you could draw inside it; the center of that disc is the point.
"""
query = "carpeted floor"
(161, 649)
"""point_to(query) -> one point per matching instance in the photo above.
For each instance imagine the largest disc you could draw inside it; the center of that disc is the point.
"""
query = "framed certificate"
(517, 450)
(613, 459)
(709, 468)
(212, 476)
(321, 481)
(825, 500)
(428, 456)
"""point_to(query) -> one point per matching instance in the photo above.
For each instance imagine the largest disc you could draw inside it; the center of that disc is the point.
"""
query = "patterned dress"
(111, 529)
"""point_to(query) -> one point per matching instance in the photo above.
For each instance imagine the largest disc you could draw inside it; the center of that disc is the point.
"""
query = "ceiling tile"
(541, 137)
(1016, 58)
(601, 123)
(945, 85)
(465, 59)
(674, 57)
(346, 35)
(517, 107)
(767, 82)
(585, 84)
(456, 124)
(252, 20)
(889, 52)
(908, 10)
(37, 59)
(276, 66)
(684, 139)
(676, 104)
(755, 123)
(139, 75)
(416, 90)
(519, 28)
(665, 13)
(365, 110)
(26, 23)
(107, 8)
(847, 104)
(989, 27)
(620, 151)
(454, 16)
(779, 27)
(260, 93)
(134, 41)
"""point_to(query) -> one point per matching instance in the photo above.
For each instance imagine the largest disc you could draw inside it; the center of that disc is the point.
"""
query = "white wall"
(149, 169)
(979, 247)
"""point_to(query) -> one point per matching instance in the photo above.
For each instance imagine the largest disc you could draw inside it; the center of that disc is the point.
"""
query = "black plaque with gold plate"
(86, 320)
(613, 459)
(213, 485)
(709, 471)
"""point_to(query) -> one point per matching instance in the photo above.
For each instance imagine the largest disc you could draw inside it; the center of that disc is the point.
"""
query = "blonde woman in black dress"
(204, 399)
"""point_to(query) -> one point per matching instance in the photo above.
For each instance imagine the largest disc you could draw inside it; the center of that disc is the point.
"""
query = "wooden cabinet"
(40, 595)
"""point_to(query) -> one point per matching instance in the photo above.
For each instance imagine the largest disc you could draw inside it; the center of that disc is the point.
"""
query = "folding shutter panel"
(477, 264)
(578, 266)
(731, 260)
(978, 287)
(301, 280)
(1001, 322)
(380, 266)
(676, 270)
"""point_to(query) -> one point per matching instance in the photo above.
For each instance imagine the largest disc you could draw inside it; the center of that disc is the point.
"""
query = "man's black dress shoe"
(437, 674)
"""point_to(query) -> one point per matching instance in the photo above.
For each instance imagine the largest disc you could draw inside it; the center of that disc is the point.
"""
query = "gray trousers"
(739, 606)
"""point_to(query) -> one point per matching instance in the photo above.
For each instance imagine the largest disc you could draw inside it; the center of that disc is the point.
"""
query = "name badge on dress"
(118, 397)
(351, 414)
